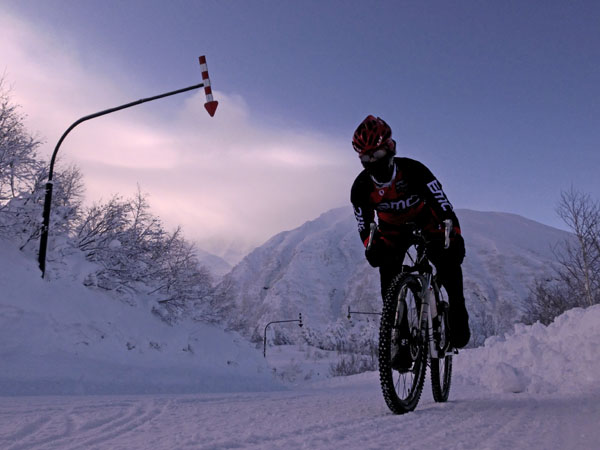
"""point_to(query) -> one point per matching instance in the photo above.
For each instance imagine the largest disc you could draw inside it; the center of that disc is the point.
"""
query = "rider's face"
(381, 169)
(379, 162)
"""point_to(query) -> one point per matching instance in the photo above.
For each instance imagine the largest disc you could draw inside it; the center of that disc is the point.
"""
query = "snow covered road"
(339, 413)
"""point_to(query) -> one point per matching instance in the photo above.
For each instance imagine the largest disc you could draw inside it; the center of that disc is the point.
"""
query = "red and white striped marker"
(210, 105)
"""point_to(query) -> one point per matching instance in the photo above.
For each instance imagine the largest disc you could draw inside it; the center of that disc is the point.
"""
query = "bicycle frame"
(423, 269)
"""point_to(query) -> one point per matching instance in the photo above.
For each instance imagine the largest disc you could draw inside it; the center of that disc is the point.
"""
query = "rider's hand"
(455, 231)
(450, 232)
(379, 251)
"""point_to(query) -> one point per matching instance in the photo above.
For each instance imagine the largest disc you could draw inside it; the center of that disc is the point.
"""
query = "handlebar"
(447, 229)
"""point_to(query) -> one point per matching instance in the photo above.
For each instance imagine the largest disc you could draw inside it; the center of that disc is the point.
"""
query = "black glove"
(457, 249)
(378, 253)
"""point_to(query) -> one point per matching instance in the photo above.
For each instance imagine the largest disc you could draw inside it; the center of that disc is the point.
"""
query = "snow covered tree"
(136, 255)
(19, 167)
(66, 206)
(23, 176)
(182, 282)
(19, 164)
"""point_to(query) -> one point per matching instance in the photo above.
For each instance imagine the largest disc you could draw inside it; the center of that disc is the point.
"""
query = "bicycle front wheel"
(402, 382)
(441, 367)
(441, 376)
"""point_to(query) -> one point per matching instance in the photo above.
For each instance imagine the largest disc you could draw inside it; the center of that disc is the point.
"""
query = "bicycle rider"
(403, 191)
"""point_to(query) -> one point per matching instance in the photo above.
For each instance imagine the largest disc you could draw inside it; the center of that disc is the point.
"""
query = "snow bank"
(561, 357)
(59, 337)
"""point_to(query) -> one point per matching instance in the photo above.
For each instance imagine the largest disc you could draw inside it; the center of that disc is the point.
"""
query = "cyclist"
(403, 191)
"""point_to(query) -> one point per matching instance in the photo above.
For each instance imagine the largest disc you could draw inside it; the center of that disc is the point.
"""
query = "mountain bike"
(414, 331)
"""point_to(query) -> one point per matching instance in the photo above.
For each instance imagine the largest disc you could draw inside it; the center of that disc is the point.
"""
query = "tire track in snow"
(12, 440)
(353, 416)
(84, 427)
(472, 419)
(313, 419)
(98, 431)
(143, 413)
(45, 430)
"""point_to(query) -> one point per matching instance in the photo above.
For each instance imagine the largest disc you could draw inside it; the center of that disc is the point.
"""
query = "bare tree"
(19, 164)
(548, 299)
(577, 280)
(581, 260)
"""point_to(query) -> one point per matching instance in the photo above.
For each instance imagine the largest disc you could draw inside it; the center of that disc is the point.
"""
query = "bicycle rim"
(441, 377)
(401, 389)
(441, 368)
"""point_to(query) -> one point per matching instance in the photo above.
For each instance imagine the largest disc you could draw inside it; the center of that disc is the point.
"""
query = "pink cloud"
(223, 177)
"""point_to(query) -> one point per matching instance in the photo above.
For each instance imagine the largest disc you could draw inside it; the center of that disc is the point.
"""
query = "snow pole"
(211, 104)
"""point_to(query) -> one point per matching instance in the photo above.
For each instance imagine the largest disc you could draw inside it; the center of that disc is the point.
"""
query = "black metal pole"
(49, 184)
(278, 321)
(361, 312)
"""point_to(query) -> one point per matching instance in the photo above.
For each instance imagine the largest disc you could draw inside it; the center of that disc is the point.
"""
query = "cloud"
(222, 178)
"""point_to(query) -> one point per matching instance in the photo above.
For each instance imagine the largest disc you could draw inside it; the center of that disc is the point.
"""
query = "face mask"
(381, 169)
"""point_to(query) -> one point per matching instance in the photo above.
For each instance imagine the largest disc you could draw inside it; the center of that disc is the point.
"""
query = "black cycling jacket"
(413, 195)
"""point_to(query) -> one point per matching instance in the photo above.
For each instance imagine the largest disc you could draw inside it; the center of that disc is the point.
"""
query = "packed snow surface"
(344, 413)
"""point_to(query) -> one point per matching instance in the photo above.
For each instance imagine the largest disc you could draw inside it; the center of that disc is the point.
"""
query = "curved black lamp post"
(278, 321)
(210, 105)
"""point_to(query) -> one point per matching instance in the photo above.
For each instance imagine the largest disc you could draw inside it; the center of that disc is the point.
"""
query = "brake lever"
(371, 234)
(447, 229)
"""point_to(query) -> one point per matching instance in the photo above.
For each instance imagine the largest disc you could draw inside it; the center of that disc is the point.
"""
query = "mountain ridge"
(319, 270)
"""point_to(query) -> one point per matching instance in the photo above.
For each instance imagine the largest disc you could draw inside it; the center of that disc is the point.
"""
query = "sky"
(501, 100)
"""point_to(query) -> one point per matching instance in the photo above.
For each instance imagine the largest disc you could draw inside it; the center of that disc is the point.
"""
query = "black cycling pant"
(448, 266)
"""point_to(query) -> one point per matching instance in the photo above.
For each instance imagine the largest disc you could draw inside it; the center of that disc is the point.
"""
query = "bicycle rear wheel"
(402, 387)
(441, 367)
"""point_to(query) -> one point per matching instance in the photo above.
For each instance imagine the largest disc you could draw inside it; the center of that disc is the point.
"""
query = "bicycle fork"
(428, 313)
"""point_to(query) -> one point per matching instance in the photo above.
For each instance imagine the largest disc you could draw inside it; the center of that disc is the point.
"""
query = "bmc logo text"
(400, 204)
(436, 189)
(359, 218)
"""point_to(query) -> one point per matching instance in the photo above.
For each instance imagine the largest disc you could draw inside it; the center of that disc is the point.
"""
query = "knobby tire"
(441, 377)
(401, 390)
(441, 368)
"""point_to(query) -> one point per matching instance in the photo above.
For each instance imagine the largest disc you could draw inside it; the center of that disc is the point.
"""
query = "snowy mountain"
(319, 270)
(232, 251)
(217, 266)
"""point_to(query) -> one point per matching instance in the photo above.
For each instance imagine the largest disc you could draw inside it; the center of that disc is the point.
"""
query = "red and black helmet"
(371, 134)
